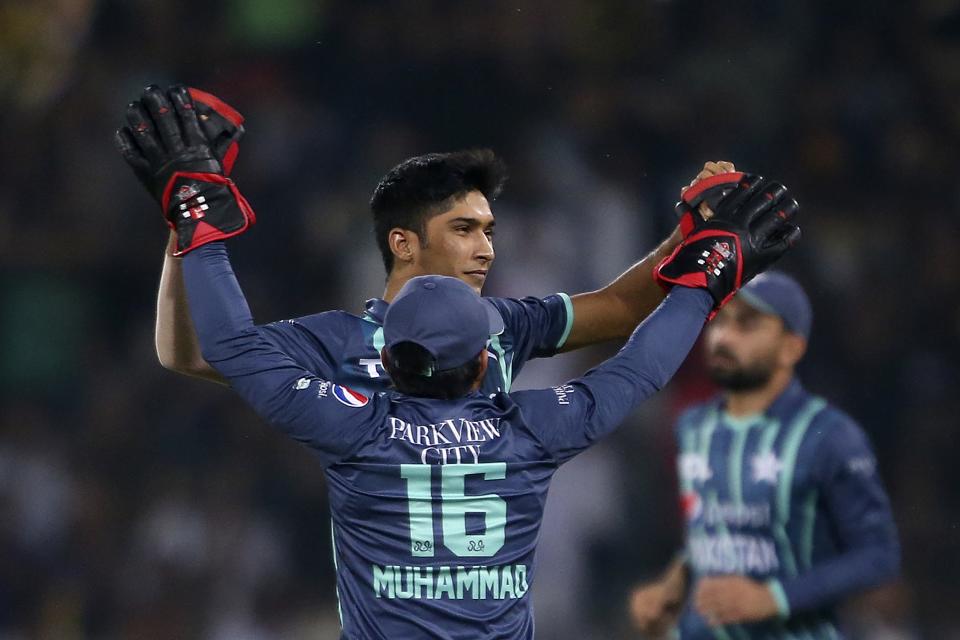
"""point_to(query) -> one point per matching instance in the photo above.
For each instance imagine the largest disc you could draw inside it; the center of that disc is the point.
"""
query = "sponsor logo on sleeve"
(563, 393)
(349, 397)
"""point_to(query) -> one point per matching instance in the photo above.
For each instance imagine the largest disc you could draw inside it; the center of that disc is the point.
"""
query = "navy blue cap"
(444, 316)
(777, 293)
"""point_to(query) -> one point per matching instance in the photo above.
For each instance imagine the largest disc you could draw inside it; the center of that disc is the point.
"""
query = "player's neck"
(747, 403)
(392, 288)
(395, 281)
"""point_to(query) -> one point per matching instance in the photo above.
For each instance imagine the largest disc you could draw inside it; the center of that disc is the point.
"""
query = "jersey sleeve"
(331, 419)
(538, 326)
(569, 418)
(312, 341)
(857, 505)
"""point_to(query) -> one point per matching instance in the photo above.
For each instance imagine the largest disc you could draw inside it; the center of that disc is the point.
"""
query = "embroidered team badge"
(349, 397)
(766, 467)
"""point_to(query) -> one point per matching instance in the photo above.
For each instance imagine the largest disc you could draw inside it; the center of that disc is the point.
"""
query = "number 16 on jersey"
(454, 506)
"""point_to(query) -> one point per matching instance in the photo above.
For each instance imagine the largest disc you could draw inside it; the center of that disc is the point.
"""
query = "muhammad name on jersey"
(455, 441)
(451, 583)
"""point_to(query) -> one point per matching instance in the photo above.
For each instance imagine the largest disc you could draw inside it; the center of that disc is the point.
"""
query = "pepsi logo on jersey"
(349, 397)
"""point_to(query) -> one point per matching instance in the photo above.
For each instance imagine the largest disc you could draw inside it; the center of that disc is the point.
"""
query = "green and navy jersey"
(436, 504)
(791, 497)
(344, 347)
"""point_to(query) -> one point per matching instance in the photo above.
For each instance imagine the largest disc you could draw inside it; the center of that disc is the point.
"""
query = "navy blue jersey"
(340, 346)
(436, 504)
(791, 497)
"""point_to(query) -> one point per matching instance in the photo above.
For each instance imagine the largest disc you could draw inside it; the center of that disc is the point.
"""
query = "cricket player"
(431, 216)
(437, 488)
(785, 513)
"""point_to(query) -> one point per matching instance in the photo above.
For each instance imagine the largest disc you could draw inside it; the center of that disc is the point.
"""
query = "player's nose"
(485, 250)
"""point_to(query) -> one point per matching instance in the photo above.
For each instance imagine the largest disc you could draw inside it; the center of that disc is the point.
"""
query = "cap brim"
(756, 302)
(494, 319)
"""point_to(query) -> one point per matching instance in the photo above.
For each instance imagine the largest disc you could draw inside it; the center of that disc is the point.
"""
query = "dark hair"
(421, 187)
(411, 369)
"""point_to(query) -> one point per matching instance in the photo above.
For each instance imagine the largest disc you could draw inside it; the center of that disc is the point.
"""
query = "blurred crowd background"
(135, 503)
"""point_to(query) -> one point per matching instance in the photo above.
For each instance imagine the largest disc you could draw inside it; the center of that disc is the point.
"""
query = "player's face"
(744, 347)
(459, 242)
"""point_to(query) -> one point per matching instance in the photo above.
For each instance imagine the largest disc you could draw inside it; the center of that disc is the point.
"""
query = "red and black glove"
(710, 190)
(182, 145)
(751, 228)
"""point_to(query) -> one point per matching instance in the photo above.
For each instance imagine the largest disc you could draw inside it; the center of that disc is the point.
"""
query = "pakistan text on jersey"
(733, 553)
(452, 583)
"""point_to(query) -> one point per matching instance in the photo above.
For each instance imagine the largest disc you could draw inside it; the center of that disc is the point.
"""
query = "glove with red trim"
(751, 228)
(182, 145)
(709, 190)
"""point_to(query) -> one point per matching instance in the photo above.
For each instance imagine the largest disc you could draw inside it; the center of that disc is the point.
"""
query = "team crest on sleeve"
(349, 397)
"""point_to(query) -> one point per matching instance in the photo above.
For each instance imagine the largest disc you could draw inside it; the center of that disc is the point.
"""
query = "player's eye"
(489, 233)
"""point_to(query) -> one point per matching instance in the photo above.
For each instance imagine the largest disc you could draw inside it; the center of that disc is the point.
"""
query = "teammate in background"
(785, 513)
(431, 216)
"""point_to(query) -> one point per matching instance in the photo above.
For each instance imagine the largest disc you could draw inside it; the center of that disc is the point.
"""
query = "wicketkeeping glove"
(751, 228)
(710, 190)
(182, 145)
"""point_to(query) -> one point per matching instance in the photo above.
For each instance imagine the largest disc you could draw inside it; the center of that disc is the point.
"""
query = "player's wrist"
(172, 244)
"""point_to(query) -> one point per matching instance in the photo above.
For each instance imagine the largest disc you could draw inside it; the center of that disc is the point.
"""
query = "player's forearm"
(828, 582)
(616, 310)
(175, 338)
(218, 308)
(654, 352)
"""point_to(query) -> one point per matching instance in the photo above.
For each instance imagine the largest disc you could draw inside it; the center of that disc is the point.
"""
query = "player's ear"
(404, 244)
(484, 361)
(793, 349)
(385, 360)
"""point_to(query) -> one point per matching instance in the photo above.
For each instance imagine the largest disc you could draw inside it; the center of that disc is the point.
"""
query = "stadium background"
(135, 503)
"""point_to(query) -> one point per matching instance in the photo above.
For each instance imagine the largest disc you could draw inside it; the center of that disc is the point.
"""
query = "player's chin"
(475, 279)
(720, 372)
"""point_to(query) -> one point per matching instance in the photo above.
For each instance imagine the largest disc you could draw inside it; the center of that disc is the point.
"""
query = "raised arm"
(176, 340)
(181, 145)
(615, 310)
(751, 229)
(329, 418)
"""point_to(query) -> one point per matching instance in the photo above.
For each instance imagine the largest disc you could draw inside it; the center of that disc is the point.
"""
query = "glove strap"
(709, 259)
(203, 208)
